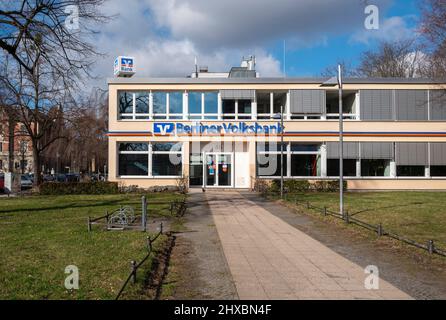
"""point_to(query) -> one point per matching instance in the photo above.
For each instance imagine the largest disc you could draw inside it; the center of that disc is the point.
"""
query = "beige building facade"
(226, 132)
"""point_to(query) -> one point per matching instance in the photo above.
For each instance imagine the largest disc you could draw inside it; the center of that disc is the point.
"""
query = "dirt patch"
(414, 271)
(159, 269)
(198, 268)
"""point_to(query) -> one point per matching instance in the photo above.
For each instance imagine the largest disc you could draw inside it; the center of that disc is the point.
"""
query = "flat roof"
(136, 80)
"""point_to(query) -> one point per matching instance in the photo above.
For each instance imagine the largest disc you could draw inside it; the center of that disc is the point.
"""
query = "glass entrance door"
(218, 169)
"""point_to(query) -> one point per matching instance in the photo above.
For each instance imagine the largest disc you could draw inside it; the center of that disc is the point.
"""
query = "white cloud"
(394, 28)
(165, 35)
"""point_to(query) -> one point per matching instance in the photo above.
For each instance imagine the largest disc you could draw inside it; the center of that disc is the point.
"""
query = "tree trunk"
(11, 140)
(37, 166)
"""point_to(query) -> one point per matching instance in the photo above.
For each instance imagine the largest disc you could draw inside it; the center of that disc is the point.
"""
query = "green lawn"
(41, 235)
(420, 216)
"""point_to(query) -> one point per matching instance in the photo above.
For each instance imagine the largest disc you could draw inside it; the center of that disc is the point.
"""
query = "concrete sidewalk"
(269, 259)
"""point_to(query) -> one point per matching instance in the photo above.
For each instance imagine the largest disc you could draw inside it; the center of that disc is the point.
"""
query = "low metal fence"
(134, 266)
(379, 229)
(126, 217)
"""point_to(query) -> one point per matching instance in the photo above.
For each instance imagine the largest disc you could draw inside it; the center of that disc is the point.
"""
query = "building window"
(228, 109)
(268, 164)
(125, 105)
(159, 105)
(410, 171)
(375, 168)
(263, 105)
(163, 159)
(211, 105)
(438, 171)
(348, 104)
(236, 109)
(304, 160)
(279, 100)
(196, 169)
(175, 105)
(167, 159)
(133, 159)
(244, 109)
(142, 103)
(133, 105)
(349, 167)
(195, 105)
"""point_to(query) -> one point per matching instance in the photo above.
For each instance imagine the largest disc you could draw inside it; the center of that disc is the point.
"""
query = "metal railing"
(135, 266)
(379, 229)
(176, 208)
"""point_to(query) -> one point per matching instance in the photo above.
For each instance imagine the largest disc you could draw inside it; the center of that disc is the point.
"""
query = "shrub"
(296, 186)
(93, 187)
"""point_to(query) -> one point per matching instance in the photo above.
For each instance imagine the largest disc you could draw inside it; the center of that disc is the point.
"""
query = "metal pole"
(281, 152)
(341, 145)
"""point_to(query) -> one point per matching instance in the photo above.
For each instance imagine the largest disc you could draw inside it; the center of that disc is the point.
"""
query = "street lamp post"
(281, 152)
(341, 145)
(332, 82)
(275, 116)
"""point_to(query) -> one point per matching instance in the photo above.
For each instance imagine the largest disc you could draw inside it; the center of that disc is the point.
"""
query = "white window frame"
(287, 154)
(150, 154)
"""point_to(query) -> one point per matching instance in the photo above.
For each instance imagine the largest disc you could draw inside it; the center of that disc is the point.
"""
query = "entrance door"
(218, 169)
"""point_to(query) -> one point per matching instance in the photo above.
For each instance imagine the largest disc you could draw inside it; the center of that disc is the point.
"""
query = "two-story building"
(223, 130)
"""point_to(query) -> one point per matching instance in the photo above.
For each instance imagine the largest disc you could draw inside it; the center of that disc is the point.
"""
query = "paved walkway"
(269, 259)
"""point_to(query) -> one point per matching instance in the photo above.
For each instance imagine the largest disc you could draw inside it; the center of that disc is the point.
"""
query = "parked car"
(2, 182)
(60, 178)
(25, 182)
(48, 178)
(72, 177)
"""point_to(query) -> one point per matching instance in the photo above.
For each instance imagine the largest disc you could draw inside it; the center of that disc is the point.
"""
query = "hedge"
(94, 187)
(293, 186)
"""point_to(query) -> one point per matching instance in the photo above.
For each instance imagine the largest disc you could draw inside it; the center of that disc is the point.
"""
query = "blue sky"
(165, 36)
(313, 60)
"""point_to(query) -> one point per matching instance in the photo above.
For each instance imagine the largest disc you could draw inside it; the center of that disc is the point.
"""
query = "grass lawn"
(420, 216)
(41, 235)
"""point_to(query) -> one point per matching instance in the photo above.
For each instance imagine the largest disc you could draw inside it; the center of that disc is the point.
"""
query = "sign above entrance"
(178, 128)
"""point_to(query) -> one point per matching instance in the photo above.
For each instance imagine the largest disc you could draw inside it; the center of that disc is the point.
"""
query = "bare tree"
(401, 59)
(433, 27)
(50, 56)
(348, 70)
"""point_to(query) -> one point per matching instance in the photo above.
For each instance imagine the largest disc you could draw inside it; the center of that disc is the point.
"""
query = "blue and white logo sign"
(163, 128)
(124, 66)
(126, 63)
(178, 128)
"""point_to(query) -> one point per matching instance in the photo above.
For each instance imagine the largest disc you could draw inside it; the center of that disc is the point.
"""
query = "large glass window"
(244, 109)
(279, 99)
(304, 160)
(375, 168)
(228, 108)
(410, 171)
(194, 100)
(268, 165)
(263, 105)
(211, 105)
(133, 105)
(196, 169)
(349, 166)
(164, 159)
(133, 159)
(133, 164)
(142, 102)
(304, 165)
(167, 159)
(125, 105)
(159, 105)
(175, 105)
(166, 165)
(438, 171)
